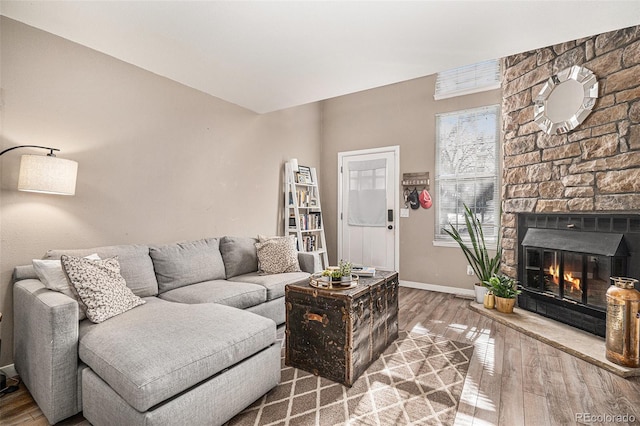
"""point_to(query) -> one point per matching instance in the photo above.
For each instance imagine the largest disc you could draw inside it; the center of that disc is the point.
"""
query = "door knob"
(390, 227)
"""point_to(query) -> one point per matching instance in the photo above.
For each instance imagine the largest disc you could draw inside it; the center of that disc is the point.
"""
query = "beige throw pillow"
(100, 286)
(277, 255)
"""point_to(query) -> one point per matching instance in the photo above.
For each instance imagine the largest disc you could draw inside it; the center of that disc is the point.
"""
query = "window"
(467, 170)
(468, 79)
(368, 193)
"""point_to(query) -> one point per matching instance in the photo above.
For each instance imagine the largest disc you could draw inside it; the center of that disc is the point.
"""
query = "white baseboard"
(9, 370)
(439, 288)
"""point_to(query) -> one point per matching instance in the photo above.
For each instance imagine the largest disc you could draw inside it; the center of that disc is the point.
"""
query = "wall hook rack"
(415, 180)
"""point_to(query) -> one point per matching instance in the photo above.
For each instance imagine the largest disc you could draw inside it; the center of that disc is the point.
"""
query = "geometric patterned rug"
(418, 380)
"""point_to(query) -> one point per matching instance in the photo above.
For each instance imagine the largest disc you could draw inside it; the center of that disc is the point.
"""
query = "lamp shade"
(47, 174)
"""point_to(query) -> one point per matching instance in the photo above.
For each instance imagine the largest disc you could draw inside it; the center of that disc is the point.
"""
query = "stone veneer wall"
(595, 167)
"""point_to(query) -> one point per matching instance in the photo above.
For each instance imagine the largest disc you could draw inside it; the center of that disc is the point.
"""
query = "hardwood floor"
(513, 379)
(18, 408)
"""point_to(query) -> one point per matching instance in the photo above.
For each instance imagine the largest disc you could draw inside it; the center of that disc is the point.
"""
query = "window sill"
(440, 243)
(445, 244)
(448, 95)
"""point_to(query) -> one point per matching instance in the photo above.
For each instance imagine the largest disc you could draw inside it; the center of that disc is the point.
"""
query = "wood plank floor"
(513, 379)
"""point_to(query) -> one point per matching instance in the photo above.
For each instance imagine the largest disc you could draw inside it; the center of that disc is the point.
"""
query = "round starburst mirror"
(566, 100)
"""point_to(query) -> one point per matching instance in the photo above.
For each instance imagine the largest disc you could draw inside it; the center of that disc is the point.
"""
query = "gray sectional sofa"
(201, 348)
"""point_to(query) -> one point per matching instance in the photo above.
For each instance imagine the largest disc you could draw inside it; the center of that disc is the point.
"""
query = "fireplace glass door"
(533, 267)
(551, 270)
(572, 276)
(578, 277)
(598, 273)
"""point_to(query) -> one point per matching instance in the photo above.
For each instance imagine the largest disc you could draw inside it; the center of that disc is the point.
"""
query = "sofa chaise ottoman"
(200, 349)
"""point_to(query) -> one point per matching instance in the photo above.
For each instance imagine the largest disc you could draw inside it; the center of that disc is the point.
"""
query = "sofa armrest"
(46, 347)
(309, 262)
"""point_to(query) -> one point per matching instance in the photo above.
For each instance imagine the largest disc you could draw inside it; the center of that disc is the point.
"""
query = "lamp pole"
(51, 154)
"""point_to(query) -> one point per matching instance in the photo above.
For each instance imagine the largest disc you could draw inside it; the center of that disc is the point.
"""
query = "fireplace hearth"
(566, 261)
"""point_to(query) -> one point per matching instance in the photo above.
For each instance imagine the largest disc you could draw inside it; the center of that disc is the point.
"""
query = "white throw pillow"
(52, 276)
(100, 286)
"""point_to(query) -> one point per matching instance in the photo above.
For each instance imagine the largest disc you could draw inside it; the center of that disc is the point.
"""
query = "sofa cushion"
(85, 326)
(158, 350)
(135, 265)
(100, 287)
(277, 255)
(191, 262)
(239, 255)
(273, 283)
(25, 272)
(236, 295)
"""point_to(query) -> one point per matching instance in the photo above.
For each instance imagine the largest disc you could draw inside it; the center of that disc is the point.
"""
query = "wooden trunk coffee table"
(337, 334)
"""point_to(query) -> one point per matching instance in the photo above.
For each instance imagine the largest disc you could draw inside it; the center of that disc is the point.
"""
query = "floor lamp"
(46, 174)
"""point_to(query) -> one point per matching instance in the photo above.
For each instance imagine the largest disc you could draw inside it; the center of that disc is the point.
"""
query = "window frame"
(441, 238)
(467, 79)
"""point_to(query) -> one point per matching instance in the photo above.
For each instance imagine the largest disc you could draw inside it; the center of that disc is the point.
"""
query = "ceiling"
(267, 56)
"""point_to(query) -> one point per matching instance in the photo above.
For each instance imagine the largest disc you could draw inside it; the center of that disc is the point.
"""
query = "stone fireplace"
(584, 182)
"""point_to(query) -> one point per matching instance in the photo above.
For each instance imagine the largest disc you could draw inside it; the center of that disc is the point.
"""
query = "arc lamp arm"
(51, 154)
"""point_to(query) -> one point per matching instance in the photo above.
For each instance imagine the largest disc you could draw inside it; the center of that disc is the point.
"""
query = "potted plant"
(477, 254)
(505, 291)
(342, 272)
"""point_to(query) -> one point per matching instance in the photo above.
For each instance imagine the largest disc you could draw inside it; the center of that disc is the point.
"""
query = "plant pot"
(505, 305)
(489, 301)
(480, 292)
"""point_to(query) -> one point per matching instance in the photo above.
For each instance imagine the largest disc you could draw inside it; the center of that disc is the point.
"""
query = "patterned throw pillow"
(100, 286)
(277, 255)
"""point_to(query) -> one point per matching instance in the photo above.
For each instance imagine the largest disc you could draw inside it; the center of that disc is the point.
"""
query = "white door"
(368, 207)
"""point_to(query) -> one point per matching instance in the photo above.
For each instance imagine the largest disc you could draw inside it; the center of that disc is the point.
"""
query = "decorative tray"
(317, 280)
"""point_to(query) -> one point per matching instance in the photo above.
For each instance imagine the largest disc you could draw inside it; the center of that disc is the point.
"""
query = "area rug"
(418, 380)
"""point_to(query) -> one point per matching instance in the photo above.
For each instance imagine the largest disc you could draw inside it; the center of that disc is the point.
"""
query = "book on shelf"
(308, 222)
(309, 243)
(303, 197)
(364, 271)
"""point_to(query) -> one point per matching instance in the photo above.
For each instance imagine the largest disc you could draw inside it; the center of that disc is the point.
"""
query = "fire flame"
(568, 277)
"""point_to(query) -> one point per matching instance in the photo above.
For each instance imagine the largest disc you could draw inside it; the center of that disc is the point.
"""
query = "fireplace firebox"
(565, 264)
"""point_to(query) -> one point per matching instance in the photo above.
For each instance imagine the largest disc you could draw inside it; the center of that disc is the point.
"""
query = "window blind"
(468, 79)
(466, 173)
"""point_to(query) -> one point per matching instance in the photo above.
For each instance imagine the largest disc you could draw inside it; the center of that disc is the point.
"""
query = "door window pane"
(367, 193)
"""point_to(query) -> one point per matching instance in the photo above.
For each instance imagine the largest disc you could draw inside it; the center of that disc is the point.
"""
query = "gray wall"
(158, 161)
(400, 114)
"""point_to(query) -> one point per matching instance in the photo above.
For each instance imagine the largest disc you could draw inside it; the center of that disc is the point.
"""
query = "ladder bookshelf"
(303, 212)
